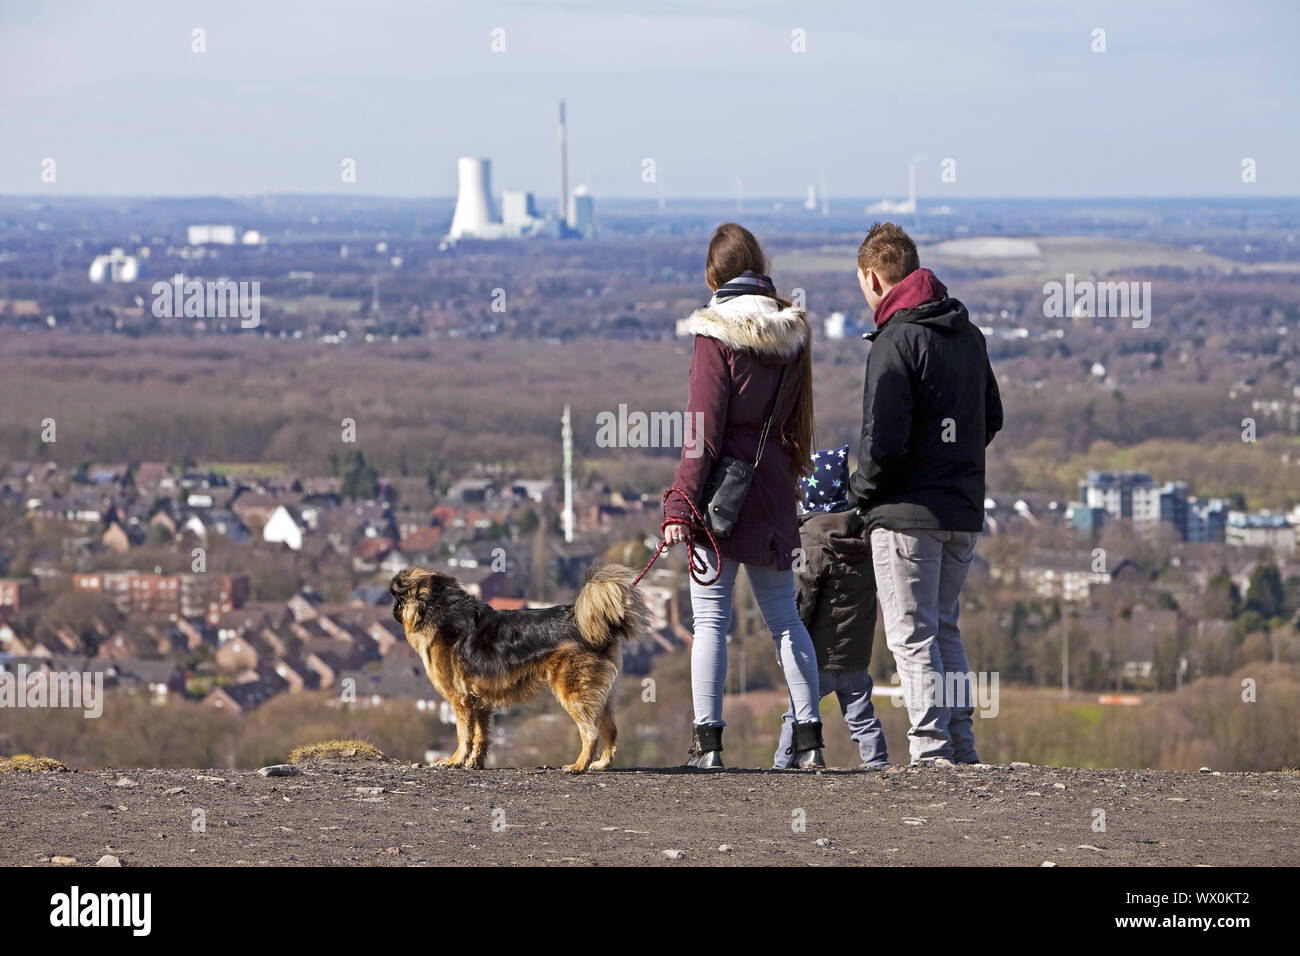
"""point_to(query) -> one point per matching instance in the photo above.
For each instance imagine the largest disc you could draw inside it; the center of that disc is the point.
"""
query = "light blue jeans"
(919, 577)
(774, 593)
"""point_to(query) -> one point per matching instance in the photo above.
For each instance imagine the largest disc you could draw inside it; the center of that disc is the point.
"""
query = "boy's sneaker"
(874, 766)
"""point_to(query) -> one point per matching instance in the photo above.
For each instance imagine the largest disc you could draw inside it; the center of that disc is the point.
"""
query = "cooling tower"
(474, 202)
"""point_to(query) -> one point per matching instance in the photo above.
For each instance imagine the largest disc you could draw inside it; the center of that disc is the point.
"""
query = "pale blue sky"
(711, 90)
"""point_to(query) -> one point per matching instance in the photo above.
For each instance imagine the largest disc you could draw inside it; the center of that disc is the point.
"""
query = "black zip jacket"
(929, 409)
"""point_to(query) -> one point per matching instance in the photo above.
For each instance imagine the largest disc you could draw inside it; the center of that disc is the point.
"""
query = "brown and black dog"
(481, 659)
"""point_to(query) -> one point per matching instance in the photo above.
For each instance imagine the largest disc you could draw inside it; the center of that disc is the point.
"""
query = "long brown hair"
(733, 250)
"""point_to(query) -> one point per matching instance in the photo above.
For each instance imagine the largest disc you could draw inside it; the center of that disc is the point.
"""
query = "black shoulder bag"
(728, 484)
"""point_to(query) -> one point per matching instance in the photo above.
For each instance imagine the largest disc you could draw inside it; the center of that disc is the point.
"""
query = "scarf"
(748, 282)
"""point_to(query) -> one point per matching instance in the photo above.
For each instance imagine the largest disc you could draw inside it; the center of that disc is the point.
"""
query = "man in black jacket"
(929, 408)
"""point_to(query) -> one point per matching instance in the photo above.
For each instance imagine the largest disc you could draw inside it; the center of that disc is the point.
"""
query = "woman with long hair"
(744, 338)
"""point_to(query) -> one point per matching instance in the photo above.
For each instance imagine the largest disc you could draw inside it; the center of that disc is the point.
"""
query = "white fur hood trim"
(753, 322)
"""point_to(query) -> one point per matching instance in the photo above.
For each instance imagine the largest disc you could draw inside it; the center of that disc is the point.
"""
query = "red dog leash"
(696, 565)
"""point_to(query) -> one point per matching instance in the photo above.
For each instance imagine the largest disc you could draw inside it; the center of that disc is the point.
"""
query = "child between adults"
(836, 598)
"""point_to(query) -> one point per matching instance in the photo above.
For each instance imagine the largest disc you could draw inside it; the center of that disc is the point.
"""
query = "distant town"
(191, 631)
(230, 422)
(315, 614)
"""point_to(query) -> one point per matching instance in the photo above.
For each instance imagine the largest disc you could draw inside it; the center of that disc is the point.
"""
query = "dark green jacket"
(836, 593)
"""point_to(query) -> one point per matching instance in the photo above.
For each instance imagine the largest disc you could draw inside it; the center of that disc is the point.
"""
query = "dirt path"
(391, 814)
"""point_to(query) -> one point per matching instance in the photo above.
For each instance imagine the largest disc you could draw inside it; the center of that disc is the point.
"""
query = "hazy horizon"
(712, 91)
(543, 198)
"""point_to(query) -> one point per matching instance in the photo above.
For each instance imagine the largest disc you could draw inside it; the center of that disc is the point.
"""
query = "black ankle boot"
(706, 748)
(806, 746)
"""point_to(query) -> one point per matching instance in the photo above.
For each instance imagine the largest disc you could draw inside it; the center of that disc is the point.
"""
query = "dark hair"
(889, 251)
(733, 250)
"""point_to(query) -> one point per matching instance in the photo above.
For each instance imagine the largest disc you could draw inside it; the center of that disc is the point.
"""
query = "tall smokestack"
(564, 168)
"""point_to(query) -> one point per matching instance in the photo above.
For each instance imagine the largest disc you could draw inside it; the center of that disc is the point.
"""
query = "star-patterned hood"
(826, 489)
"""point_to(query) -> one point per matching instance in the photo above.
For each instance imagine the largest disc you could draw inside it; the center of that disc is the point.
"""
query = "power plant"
(117, 266)
(905, 207)
(564, 163)
(475, 216)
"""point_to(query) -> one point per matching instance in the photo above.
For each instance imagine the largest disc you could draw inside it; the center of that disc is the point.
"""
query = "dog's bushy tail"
(608, 608)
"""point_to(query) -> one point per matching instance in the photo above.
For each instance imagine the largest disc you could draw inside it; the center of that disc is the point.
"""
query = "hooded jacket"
(930, 406)
(741, 345)
(836, 593)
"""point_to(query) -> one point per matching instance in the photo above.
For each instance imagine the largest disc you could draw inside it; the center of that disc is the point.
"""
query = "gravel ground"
(392, 814)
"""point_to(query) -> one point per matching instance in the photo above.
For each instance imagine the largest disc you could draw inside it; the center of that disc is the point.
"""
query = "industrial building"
(117, 266)
(206, 235)
(476, 214)
(581, 218)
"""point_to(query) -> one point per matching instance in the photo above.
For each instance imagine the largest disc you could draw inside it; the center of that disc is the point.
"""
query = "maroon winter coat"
(741, 345)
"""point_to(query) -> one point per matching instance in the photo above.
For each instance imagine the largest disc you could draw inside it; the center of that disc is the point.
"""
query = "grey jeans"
(919, 577)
